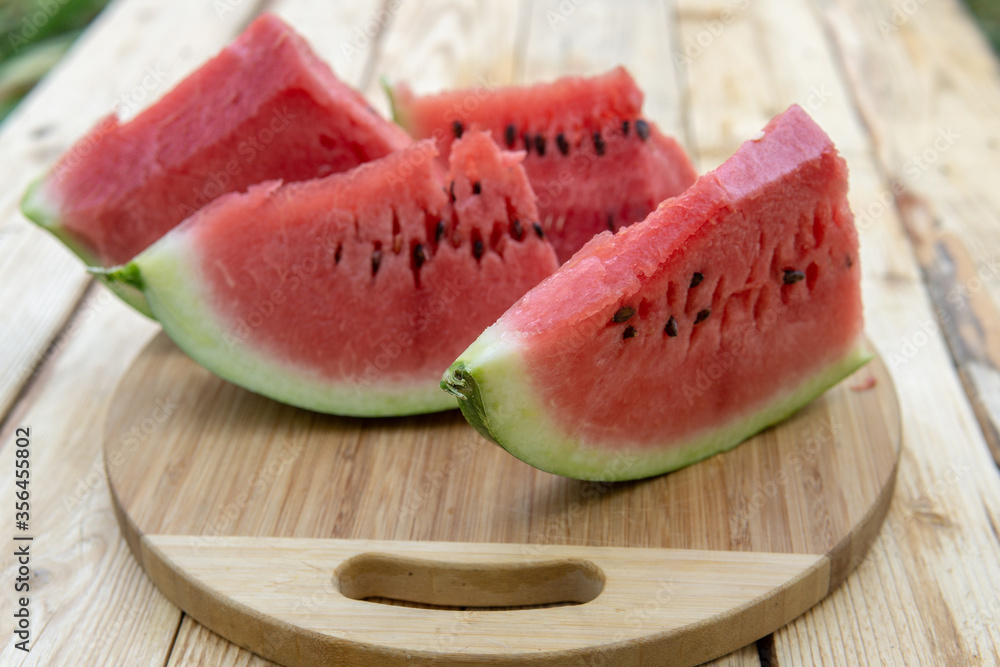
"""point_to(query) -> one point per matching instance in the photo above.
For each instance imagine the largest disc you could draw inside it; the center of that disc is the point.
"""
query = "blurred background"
(39, 32)
(36, 35)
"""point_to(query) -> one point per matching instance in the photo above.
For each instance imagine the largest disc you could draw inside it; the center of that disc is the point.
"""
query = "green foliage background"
(987, 14)
(34, 35)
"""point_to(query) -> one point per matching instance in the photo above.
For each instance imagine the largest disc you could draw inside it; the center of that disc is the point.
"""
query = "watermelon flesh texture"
(594, 161)
(722, 313)
(265, 107)
(353, 293)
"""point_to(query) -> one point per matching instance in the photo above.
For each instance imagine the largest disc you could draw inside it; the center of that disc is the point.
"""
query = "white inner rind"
(179, 299)
(42, 209)
(517, 417)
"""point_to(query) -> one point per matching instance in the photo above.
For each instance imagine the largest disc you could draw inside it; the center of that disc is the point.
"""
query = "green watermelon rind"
(397, 112)
(40, 210)
(169, 276)
(495, 394)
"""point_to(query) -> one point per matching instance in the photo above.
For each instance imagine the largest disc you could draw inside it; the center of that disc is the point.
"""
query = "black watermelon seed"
(623, 314)
(792, 277)
(477, 249)
(509, 135)
(376, 261)
(671, 328)
(849, 262)
(518, 229)
(527, 142)
(456, 127)
(337, 255)
(439, 231)
(477, 187)
(540, 144)
(599, 144)
(611, 223)
(538, 230)
(451, 191)
(418, 255)
(562, 143)
(696, 279)
(628, 333)
(702, 316)
(642, 129)
(625, 127)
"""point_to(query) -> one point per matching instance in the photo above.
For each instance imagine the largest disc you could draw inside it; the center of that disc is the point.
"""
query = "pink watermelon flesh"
(352, 293)
(593, 160)
(265, 107)
(725, 310)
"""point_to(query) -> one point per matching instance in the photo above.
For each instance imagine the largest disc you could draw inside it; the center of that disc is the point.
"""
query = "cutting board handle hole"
(391, 579)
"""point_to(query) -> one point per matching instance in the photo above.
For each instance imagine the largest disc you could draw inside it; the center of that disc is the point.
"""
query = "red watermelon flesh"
(594, 161)
(351, 294)
(727, 309)
(265, 107)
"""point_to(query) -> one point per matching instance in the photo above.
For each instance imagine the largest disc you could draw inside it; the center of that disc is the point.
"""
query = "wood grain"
(149, 46)
(927, 592)
(214, 471)
(947, 491)
(448, 44)
(65, 346)
(238, 588)
(935, 130)
(589, 38)
(196, 645)
(90, 601)
(294, 473)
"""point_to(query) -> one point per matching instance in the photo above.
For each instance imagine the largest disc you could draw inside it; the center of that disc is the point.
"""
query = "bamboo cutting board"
(312, 539)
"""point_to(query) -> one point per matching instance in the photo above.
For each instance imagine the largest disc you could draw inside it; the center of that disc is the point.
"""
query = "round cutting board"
(313, 539)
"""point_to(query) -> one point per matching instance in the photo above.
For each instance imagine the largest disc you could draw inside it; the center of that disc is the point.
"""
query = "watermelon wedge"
(594, 161)
(265, 107)
(726, 310)
(353, 293)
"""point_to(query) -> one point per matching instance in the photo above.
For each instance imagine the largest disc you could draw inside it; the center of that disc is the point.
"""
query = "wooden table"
(910, 95)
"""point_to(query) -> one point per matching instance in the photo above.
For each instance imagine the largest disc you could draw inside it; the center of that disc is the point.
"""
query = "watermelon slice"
(265, 107)
(351, 294)
(593, 160)
(727, 309)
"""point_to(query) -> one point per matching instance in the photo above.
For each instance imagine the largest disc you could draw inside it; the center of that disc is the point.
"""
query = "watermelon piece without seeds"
(353, 293)
(265, 107)
(593, 160)
(726, 310)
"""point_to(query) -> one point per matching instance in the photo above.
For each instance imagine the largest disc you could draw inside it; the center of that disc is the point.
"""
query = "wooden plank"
(90, 601)
(587, 38)
(637, 56)
(344, 34)
(932, 109)
(196, 645)
(148, 46)
(748, 656)
(560, 40)
(447, 44)
(887, 598)
(924, 592)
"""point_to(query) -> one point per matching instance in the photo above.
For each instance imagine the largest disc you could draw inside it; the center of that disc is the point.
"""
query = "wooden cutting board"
(312, 539)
